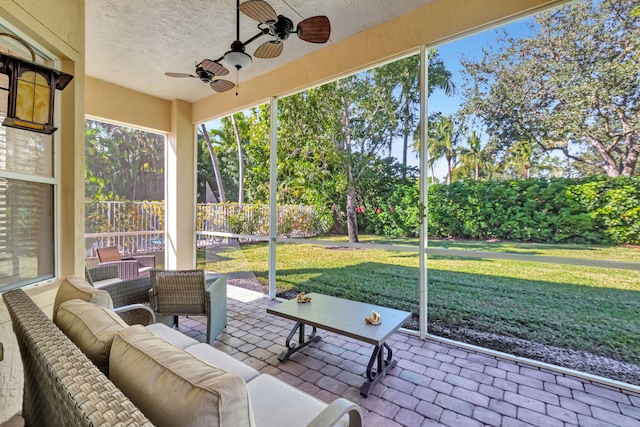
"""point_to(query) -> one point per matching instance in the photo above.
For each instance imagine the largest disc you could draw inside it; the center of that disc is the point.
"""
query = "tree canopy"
(123, 163)
(573, 87)
(334, 141)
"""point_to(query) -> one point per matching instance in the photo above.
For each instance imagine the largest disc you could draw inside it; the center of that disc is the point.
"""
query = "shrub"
(588, 210)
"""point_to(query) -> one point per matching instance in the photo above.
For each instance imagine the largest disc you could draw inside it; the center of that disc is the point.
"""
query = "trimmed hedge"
(599, 209)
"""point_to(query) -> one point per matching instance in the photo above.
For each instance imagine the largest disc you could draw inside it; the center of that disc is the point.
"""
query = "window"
(27, 194)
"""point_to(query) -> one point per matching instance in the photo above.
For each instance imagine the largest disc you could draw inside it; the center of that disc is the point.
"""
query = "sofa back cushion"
(174, 388)
(74, 287)
(91, 327)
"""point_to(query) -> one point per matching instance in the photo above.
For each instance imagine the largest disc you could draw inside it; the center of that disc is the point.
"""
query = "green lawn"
(580, 308)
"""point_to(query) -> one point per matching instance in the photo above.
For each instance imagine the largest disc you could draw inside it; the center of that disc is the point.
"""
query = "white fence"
(134, 227)
(138, 227)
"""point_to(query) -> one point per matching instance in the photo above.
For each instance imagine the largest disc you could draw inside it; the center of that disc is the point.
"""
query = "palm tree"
(236, 133)
(443, 142)
(214, 161)
(520, 158)
(435, 153)
(473, 155)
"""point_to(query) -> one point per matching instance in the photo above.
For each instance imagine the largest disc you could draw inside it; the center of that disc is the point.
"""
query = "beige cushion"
(222, 360)
(91, 327)
(276, 403)
(74, 287)
(174, 388)
(170, 335)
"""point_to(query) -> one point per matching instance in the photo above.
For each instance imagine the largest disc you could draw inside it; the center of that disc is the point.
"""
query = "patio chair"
(130, 297)
(128, 268)
(188, 293)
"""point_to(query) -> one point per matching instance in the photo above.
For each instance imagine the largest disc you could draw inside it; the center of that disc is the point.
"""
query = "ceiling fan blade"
(179, 75)
(214, 67)
(222, 85)
(270, 49)
(259, 10)
(316, 29)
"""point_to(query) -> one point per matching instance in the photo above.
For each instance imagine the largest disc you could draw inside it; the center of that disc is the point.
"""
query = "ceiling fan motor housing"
(283, 28)
(204, 75)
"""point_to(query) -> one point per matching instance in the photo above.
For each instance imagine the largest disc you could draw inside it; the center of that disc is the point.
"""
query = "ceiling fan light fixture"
(237, 59)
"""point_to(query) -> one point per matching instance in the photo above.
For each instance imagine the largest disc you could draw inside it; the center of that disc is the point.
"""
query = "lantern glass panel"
(34, 95)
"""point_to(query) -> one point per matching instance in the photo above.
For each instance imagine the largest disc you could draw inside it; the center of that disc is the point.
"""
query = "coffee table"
(344, 317)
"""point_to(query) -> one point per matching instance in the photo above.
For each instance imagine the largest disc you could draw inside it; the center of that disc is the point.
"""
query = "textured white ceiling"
(133, 43)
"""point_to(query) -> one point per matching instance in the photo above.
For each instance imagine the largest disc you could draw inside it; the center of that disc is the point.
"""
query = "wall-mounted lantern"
(31, 91)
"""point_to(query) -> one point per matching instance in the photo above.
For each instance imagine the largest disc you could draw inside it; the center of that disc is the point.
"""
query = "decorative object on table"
(302, 298)
(374, 319)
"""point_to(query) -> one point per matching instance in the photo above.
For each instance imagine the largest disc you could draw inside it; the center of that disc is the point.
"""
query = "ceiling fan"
(316, 29)
(207, 71)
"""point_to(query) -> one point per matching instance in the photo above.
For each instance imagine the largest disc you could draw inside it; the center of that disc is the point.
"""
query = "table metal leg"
(383, 364)
(303, 341)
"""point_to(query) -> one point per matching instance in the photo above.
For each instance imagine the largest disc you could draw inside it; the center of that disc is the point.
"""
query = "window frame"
(43, 57)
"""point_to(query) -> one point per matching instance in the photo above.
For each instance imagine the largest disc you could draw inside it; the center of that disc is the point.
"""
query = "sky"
(468, 47)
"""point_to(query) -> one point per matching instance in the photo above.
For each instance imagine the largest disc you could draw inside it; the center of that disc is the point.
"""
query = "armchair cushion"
(74, 287)
(91, 327)
(173, 388)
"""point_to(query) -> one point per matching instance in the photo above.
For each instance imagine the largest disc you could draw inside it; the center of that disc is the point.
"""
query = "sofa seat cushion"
(74, 287)
(276, 403)
(170, 335)
(91, 327)
(174, 388)
(223, 361)
(106, 282)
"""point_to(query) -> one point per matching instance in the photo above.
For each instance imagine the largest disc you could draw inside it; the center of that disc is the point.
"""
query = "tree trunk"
(240, 161)
(405, 129)
(214, 162)
(405, 147)
(610, 165)
(352, 220)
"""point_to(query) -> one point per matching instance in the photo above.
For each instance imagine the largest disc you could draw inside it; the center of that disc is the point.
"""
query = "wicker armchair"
(130, 297)
(189, 293)
(128, 268)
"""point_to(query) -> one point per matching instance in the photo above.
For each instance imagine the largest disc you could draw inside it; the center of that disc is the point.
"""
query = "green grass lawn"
(580, 308)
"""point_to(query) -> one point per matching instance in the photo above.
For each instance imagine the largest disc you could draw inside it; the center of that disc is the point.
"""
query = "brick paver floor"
(433, 384)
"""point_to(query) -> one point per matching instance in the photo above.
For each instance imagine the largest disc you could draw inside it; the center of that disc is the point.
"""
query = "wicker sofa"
(157, 376)
(62, 387)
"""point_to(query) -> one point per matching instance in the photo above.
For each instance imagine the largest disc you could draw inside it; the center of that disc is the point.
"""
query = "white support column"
(424, 190)
(273, 185)
(180, 189)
